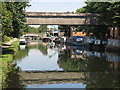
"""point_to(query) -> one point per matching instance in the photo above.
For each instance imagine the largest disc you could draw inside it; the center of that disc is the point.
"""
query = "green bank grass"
(7, 59)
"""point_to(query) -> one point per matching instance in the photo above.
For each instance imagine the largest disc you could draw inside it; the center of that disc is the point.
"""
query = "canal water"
(98, 68)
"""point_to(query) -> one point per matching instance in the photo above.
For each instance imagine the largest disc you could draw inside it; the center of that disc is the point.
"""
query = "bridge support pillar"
(70, 31)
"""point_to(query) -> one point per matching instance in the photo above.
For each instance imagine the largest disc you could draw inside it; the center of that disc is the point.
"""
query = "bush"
(7, 58)
(11, 38)
(6, 38)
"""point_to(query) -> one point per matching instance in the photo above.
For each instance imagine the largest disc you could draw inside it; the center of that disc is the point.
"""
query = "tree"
(13, 18)
(81, 10)
(109, 12)
(42, 28)
(115, 13)
(18, 9)
(109, 16)
(7, 26)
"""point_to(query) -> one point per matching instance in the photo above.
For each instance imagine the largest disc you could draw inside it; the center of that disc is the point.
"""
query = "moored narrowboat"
(78, 40)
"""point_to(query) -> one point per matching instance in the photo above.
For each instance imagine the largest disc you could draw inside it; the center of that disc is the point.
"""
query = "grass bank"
(12, 49)
(7, 59)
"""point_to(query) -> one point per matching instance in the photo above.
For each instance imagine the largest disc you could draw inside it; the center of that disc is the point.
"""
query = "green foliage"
(109, 12)
(12, 79)
(18, 9)
(29, 29)
(102, 29)
(21, 54)
(109, 15)
(7, 58)
(7, 26)
(15, 45)
(68, 64)
(114, 10)
(10, 73)
(12, 49)
(42, 28)
(96, 70)
(32, 30)
(43, 49)
(6, 38)
(96, 80)
(81, 10)
(13, 18)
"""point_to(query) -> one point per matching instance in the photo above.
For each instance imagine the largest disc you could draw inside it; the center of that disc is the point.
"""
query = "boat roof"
(78, 37)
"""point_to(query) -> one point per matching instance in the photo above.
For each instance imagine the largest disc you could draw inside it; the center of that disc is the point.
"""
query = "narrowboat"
(22, 40)
(78, 40)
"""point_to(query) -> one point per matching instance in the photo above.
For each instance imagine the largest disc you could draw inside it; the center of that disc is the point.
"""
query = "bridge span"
(52, 18)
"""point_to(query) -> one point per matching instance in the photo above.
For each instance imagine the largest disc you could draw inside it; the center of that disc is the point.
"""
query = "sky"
(57, 0)
(54, 6)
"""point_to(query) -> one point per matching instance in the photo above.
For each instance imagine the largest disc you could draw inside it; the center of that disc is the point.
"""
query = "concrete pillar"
(70, 31)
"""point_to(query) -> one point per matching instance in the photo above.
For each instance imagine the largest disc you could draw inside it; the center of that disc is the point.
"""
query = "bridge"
(52, 18)
(53, 77)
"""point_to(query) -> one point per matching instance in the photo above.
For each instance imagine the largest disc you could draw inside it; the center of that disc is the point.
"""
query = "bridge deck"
(51, 18)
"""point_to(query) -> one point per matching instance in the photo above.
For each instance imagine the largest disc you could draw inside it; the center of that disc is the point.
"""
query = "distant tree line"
(40, 29)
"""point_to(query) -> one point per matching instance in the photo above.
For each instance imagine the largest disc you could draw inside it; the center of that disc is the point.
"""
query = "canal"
(50, 65)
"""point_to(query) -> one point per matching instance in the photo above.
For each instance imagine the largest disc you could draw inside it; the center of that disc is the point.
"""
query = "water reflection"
(39, 57)
(101, 68)
(103, 80)
(64, 57)
(91, 61)
(22, 47)
(13, 79)
(61, 85)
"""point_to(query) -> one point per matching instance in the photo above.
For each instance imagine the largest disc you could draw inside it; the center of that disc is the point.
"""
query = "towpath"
(7, 44)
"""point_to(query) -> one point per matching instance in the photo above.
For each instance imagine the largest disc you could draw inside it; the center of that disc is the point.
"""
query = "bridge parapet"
(59, 14)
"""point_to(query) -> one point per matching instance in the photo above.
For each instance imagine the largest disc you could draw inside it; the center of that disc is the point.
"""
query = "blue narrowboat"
(78, 40)
(78, 52)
